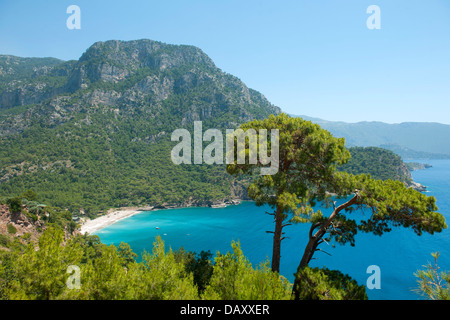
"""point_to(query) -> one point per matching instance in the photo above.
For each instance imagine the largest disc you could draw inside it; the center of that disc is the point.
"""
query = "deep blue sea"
(398, 254)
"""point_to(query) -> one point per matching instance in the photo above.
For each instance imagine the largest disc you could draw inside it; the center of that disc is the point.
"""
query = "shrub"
(4, 240)
(14, 204)
(11, 229)
(324, 284)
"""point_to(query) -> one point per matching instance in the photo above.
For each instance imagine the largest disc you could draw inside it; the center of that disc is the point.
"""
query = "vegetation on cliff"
(380, 163)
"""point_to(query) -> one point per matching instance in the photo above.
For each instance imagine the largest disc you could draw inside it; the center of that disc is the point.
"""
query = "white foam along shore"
(93, 225)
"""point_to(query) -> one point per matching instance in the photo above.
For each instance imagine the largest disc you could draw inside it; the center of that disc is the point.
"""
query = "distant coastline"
(414, 166)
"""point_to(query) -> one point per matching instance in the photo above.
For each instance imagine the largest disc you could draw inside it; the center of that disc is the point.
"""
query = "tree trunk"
(307, 256)
(313, 242)
(310, 249)
(276, 251)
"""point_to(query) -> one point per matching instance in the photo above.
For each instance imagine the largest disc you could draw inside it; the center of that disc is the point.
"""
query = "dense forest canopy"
(380, 163)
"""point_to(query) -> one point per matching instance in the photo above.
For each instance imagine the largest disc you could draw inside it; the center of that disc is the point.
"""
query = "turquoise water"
(399, 254)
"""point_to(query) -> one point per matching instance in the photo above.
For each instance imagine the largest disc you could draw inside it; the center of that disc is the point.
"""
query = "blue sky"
(315, 57)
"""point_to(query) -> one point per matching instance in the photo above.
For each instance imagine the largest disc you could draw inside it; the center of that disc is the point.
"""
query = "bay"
(398, 254)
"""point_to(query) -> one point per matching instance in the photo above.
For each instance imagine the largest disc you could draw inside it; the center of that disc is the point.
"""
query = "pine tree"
(308, 158)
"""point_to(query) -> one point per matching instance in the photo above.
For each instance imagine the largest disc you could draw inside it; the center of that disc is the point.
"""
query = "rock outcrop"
(17, 224)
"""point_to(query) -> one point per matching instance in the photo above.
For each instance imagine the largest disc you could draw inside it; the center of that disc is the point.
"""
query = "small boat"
(157, 228)
(221, 205)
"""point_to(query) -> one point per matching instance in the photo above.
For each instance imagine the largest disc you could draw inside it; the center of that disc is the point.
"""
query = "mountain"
(409, 154)
(94, 133)
(411, 140)
(30, 80)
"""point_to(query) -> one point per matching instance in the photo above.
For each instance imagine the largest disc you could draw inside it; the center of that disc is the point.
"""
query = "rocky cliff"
(126, 76)
(17, 225)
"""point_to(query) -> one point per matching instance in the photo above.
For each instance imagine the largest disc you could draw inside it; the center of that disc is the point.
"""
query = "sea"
(397, 255)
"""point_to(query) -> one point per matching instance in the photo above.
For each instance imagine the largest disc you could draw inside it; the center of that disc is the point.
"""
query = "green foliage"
(391, 204)
(95, 167)
(108, 273)
(82, 156)
(39, 271)
(126, 253)
(29, 195)
(325, 284)
(199, 265)
(14, 204)
(41, 274)
(160, 277)
(308, 156)
(379, 163)
(234, 278)
(34, 207)
(36, 210)
(433, 284)
(92, 247)
(4, 240)
(11, 229)
(103, 278)
(21, 71)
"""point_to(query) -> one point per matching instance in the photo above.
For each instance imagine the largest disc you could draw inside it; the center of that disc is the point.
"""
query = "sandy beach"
(108, 219)
(115, 215)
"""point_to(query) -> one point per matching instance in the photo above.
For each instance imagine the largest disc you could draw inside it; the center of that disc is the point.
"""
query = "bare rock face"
(25, 81)
(417, 186)
(18, 222)
(125, 75)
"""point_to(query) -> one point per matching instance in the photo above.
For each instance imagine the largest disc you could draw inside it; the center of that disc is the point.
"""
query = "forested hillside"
(93, 134)
(380, 163)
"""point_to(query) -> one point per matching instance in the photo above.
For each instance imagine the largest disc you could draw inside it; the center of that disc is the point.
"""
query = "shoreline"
(92, 225)
(115, 215)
